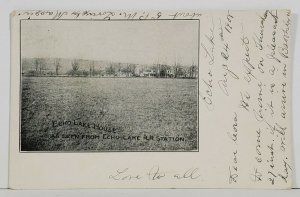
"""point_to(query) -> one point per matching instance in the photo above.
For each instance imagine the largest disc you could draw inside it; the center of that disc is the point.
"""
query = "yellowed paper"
(125, 99)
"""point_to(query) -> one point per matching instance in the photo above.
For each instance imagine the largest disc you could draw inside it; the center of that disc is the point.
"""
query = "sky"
(142, 42)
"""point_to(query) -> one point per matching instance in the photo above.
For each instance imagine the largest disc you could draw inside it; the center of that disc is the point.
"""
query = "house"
(148, 73)
(170, 73)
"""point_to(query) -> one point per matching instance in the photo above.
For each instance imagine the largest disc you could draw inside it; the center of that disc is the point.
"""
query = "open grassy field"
(108, 114)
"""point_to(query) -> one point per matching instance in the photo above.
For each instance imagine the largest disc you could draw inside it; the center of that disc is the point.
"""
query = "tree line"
(112, 69)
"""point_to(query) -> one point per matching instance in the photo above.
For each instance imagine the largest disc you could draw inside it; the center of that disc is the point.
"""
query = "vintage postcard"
(139, 99)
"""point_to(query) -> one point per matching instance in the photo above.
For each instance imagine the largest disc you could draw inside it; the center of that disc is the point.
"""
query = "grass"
(125, 108)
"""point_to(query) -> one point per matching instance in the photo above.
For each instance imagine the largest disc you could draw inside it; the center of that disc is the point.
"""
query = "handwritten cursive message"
(249, 57)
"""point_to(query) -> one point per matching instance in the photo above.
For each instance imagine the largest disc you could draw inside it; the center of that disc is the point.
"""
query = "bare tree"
(131, 68)
(39, 65)
(193, 70)
(110, 70)
(177, 69)
(36, 65)
(57, 65)
(75, 67)
(92, 68)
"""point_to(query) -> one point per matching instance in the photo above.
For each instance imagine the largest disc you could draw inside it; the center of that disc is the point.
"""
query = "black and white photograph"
(109, 85)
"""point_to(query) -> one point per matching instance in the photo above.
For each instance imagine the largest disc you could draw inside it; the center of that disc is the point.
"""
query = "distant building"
(148, 73)
(170, 73)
